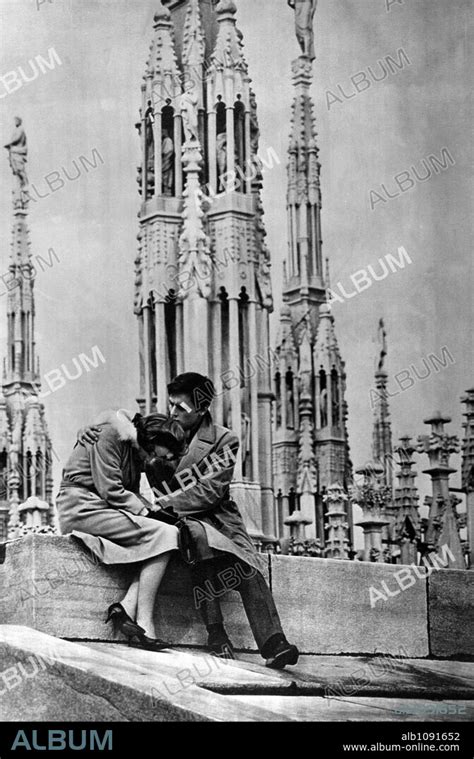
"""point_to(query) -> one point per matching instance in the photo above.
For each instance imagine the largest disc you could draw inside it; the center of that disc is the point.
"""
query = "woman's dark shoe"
(283, 653)
(122, 622)
(140, 640)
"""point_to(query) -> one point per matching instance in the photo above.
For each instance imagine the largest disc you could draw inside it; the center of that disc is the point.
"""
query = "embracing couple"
(189, 463)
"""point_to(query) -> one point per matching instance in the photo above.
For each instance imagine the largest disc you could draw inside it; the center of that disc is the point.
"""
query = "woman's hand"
(89, 434)
(165, 515)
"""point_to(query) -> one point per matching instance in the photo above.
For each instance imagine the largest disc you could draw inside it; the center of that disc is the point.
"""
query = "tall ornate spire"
(407, 526)
(162, 65)
(5, 444)
(193, 58)
(160, 172)
(304, 266)
(307, 484)
(320, 425)
(305, 284)
(26, 461)
(285, 371)
(194, 262)
(336, 501)
(194, 50)
(228, 92)
(442, 528)
(331, 407)
(203, 293)
(468, 469)
(228, 53)
(382, 434)
(286, 414)
(20, 363)
(372, 496)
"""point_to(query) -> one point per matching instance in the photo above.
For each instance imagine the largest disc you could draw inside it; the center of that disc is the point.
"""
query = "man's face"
(183, 410)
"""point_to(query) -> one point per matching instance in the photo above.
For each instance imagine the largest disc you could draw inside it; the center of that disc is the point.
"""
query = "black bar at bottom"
(328, 740)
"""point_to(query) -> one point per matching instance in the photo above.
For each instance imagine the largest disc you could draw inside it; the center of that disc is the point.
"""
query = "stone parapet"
(327, 606)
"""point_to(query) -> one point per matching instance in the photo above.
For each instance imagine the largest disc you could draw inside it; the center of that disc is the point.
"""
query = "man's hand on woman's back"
(89, 434)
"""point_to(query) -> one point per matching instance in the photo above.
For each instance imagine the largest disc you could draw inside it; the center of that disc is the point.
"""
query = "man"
(220, 538)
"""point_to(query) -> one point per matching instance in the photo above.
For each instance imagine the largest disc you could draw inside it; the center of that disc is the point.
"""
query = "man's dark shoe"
(282, 654)
(220, 645)
(148, 644)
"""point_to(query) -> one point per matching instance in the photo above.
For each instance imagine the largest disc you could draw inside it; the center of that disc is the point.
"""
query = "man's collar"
(206, 430)
(200, 445)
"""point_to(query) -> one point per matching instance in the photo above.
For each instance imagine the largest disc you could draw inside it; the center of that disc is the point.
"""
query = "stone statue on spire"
(304, 17)
(188, 106)
(17, 153)
(382, 337)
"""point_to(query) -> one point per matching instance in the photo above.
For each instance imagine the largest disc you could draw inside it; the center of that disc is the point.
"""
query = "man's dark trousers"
(214, 576)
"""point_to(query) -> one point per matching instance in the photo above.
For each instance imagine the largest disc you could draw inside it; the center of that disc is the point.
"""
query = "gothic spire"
(468, 468)
(194, 49)
(307, 476)
(407, 525)
(304, 266)
(228, 53)
(162, 64)
(326, 347)
(442, 527)
(330, 403)
(382, 433)
(194, 254)
(285, 345)
(26, 467)
(5, 434)
(320, 431)
(20, 363)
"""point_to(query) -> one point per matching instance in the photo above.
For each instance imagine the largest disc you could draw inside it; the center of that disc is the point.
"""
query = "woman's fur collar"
(121, 421)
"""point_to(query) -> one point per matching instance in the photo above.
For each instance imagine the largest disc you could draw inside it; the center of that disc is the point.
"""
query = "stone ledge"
(325, 607)
(451, 613)
(53, 584)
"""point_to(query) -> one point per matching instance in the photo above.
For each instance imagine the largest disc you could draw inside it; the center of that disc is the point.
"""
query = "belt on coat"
(67, 484)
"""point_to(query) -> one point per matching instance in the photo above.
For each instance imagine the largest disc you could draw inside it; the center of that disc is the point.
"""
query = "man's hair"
(199, 388)
(158, 429)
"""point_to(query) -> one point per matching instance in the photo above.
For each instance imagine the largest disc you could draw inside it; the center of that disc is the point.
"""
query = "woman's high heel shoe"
(140, 640)
(122, 622)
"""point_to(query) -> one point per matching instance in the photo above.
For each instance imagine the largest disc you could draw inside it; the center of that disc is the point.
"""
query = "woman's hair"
(158, 429)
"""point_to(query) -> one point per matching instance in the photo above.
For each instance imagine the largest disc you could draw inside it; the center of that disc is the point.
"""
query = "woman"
(100, 504)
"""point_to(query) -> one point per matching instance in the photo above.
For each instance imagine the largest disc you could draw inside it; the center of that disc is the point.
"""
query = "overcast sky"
(91, 102)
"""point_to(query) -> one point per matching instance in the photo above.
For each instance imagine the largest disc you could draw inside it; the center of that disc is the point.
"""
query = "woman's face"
(162, 452)
(160, 465)
(158, 454)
